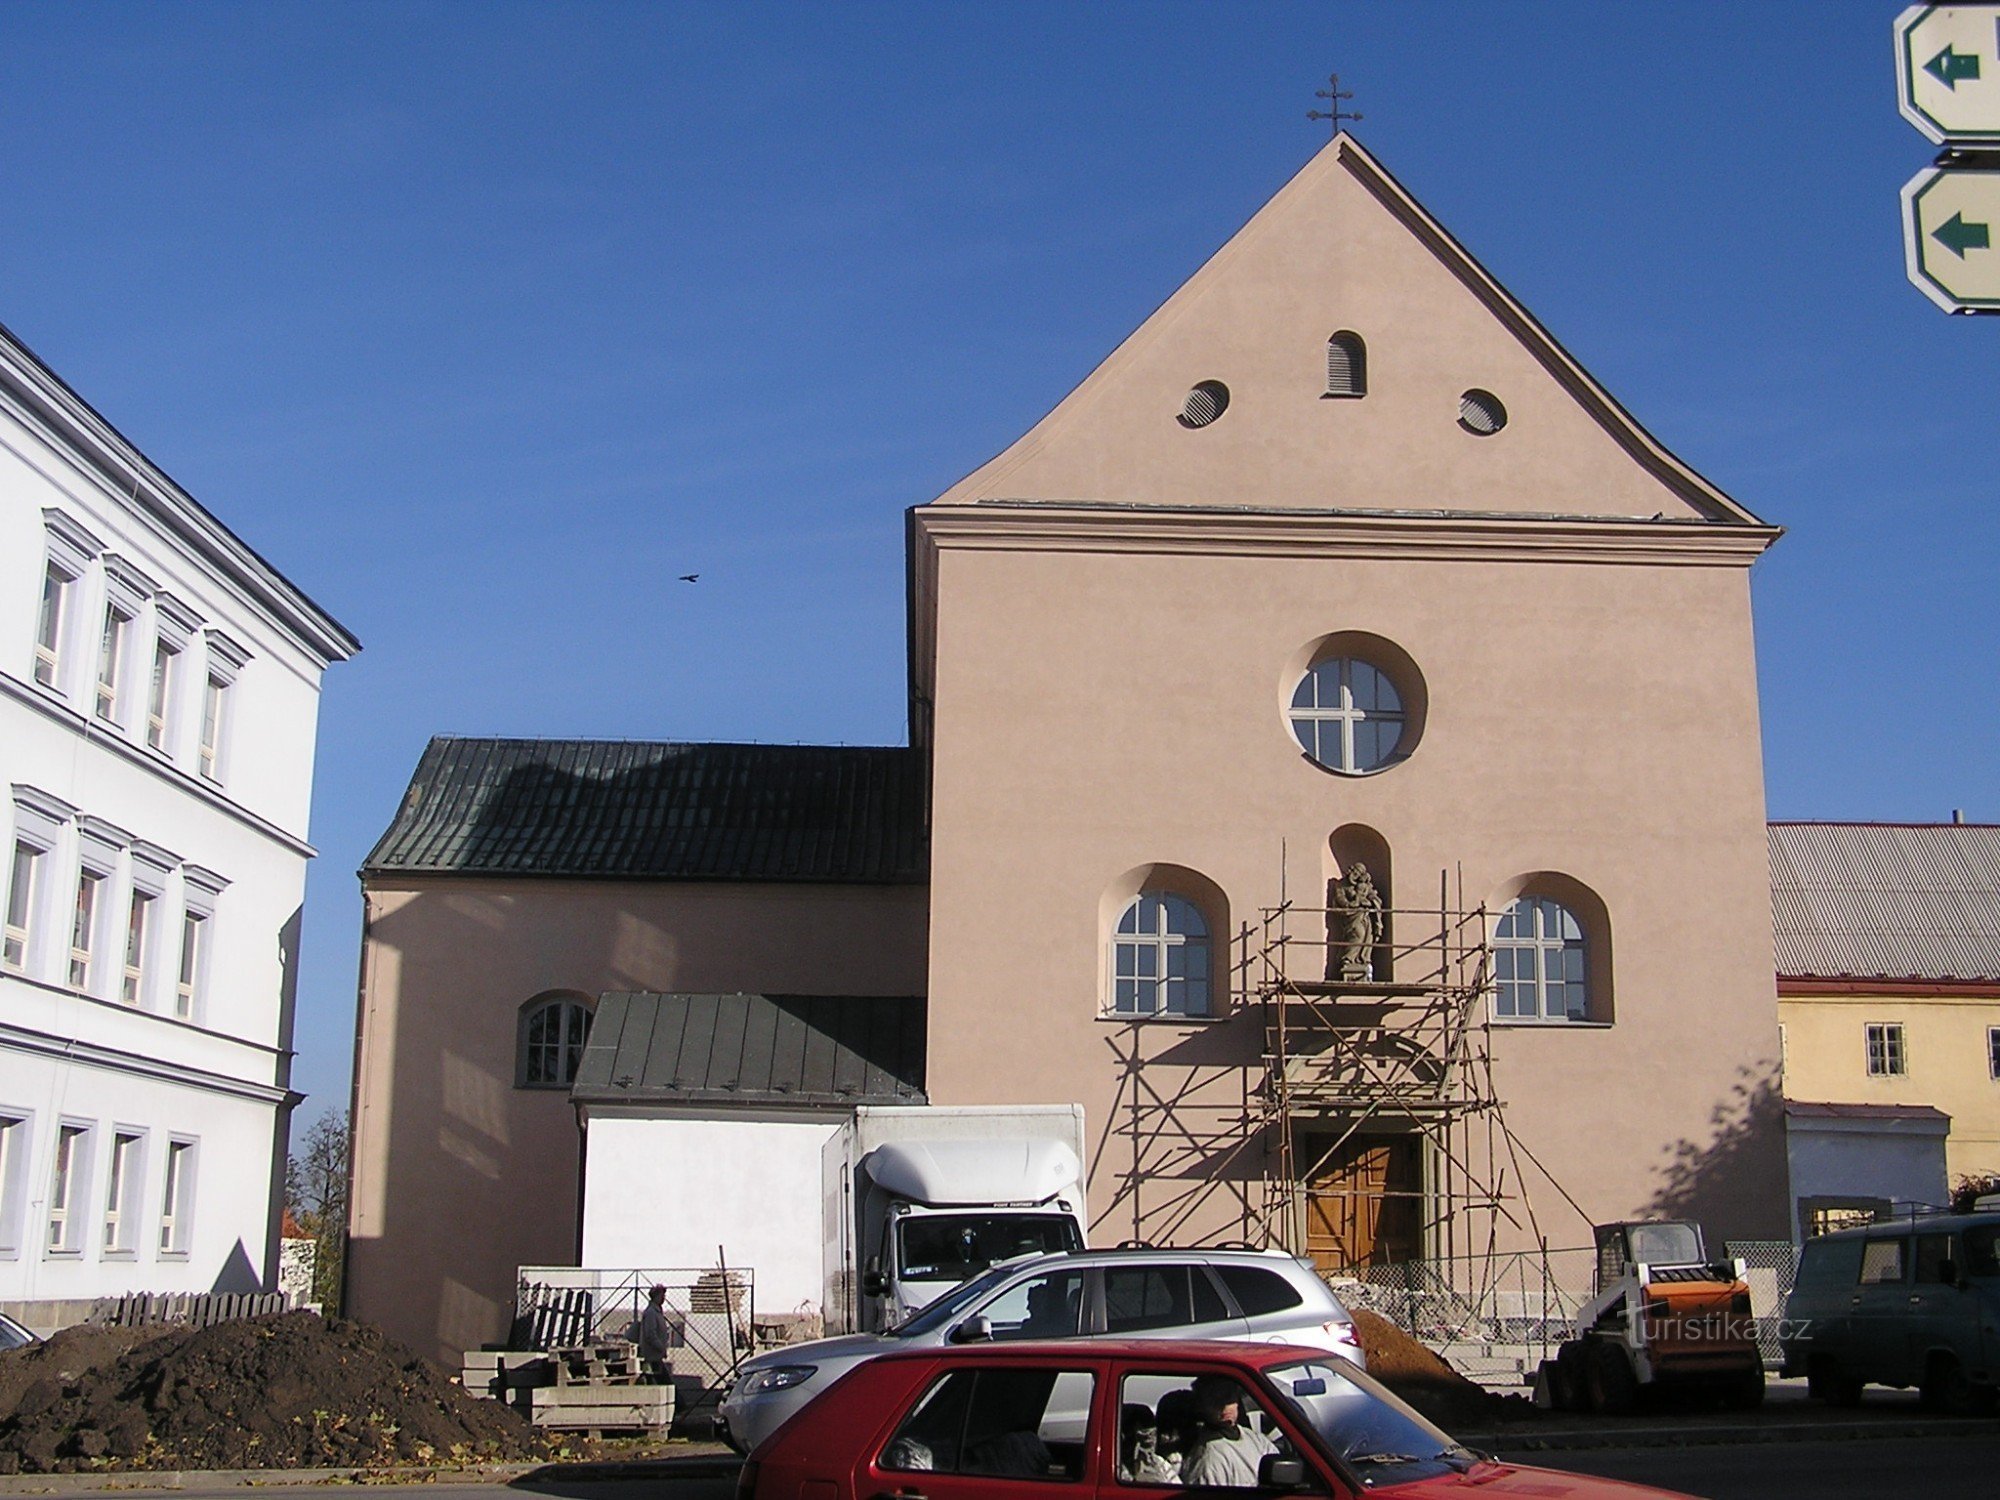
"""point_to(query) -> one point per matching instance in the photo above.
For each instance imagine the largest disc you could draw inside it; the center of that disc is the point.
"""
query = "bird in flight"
(690, 578)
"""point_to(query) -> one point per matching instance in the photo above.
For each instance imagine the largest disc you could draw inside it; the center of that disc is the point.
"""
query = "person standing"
(653, 1337)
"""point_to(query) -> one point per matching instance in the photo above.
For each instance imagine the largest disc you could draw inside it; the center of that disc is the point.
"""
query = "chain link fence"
(710, 1313)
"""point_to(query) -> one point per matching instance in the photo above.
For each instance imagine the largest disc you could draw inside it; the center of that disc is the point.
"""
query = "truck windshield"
(951, 1247)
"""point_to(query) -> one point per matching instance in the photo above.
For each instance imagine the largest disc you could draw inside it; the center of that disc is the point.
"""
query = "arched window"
(1160, 962)
(1540, 964)
(1346, 365)
(553, 1031)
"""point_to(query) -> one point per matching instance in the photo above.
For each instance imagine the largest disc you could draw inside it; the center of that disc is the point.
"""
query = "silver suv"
(1261, 1295)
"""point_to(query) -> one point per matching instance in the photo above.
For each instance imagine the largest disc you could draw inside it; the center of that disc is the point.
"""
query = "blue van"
(1908, 1302)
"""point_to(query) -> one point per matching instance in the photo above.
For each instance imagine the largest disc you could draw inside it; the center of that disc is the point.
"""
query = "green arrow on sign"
(1949, 66)
(1957, 236)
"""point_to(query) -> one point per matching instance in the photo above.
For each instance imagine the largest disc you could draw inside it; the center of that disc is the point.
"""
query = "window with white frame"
(1160, 958)
(177, 1199)
(225, 659)
(132, 988)
(1540, 963)
(16, 1134)
(1347, 716)
(160, 693)
(1887, 1057)
(110, 655)
(83, 939)
(214, 708)
(57, 584)
(23, 877)
(70, 551)
(194, 960)
(124, 1178)
(31, 874)
(553, 1031)
(69, 1188)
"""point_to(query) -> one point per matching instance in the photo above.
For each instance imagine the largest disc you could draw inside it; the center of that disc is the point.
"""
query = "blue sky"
(483, 322)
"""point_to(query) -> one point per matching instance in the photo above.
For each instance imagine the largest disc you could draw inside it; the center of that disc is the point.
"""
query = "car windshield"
(1362, 1425)
(936, 1314)
(951, 1247)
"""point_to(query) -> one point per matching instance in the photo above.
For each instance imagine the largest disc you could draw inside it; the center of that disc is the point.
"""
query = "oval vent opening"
(1204, 404)
(1480, 412)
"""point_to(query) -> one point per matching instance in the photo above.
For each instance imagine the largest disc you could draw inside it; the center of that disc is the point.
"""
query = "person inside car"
(1226, 1448)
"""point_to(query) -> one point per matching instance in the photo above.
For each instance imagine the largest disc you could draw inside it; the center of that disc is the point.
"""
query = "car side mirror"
(976, 1329)
(873, 1283)
(1281, 1472)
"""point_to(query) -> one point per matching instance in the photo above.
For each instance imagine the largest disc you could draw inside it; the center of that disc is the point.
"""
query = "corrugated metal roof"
(1886, 900)
(613, 809)
(820, 1050)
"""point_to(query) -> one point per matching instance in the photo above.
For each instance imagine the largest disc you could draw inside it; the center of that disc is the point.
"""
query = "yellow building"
(1888, 952)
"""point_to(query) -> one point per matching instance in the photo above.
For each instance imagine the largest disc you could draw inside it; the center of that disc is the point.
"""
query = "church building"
(1340, 561)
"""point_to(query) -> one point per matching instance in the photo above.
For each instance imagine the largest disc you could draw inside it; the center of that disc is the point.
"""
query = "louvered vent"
(1204, 404)
(1346, 365)
(1481, 412)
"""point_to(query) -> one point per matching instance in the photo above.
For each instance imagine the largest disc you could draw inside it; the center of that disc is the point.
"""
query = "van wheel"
(1824, 1382)
(1945, 1389)
(1614, 1389)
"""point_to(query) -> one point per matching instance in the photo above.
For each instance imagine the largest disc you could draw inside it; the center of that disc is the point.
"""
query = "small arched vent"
(1480, 412)
(1346, 365)
(1204, 404)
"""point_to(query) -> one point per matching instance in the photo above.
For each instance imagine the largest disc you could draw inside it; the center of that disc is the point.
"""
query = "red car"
(1123, 1419)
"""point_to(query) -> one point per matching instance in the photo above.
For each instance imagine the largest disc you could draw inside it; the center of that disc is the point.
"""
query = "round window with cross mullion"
(1348, 716)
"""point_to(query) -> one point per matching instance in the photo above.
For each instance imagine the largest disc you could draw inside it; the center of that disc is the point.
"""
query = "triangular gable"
(1343, 248)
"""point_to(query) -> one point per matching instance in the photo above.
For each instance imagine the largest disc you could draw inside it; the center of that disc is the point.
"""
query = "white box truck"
(918, 1198)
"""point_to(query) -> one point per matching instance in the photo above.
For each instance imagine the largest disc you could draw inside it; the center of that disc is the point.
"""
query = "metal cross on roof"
(1333, 114)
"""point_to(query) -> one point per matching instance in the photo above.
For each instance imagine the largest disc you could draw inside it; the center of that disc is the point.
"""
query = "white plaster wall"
(667, 1193)
(1907, 1167)
(228, 1215)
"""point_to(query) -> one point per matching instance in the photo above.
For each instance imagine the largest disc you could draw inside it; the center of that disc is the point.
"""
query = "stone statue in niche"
(1353, 924)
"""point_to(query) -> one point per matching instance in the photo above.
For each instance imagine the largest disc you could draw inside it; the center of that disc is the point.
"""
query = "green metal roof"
(817, 1050)
(635, 811)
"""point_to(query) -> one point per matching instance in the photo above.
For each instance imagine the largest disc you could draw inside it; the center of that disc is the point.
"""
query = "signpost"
(1948, 72)
(1948, 86)
(1951, 237)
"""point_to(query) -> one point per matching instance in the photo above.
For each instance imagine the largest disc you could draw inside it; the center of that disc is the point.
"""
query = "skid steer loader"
(1665, 1316)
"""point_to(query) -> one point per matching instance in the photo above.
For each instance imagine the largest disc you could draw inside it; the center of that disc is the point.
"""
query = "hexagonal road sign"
(1948, 71)
(1951, 237)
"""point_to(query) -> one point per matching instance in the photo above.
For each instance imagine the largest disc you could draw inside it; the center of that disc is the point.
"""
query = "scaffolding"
(1384, 1041)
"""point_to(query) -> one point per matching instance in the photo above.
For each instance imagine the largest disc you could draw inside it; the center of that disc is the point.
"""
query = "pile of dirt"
(1419, 1376)
(290, 1391)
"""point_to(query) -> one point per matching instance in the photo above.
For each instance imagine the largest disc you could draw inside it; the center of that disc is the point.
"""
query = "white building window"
(553, 1031)
(83, 940)
(110, 655)
(132, 989)
(160, 695)
(1160, 959)
(56, 586)
(16, 1136)
(122, 1185)
(69, 1188)
(214, 706)
(1886, 1055)
(193, 965)
(177, 1199)
(23, 880)
(1540, 966)
(1347, 716)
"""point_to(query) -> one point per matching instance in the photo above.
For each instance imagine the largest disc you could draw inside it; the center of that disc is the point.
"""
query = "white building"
(159, 694)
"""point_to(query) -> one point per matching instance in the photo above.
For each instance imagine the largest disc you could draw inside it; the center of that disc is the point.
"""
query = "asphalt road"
(1941, 1468)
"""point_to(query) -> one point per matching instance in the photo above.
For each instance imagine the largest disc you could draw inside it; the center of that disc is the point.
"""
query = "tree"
(1967, 1189)
(316, 1198)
